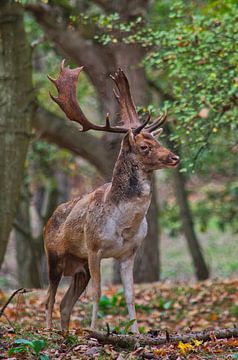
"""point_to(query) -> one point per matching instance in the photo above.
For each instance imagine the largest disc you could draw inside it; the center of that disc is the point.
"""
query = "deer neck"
(129, 181)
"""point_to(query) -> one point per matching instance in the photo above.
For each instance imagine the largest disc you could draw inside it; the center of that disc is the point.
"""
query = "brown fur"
(109, 222)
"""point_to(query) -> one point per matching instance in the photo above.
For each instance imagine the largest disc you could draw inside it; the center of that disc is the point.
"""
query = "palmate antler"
(128, 114)
(66, 84)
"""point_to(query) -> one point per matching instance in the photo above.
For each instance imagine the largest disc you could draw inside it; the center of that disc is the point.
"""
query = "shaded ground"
(220, 251)
(165, 307)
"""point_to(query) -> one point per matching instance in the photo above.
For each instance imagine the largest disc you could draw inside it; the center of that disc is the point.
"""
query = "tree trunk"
(28, 268)
(179, 180)
(16, 112)
(148, 257)
(201, 268)
(28, 229)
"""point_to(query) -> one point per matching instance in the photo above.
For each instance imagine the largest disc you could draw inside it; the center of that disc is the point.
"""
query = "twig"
(132, 340)
(108, 329)
(10, 323)
(70, 349)
(21, 291)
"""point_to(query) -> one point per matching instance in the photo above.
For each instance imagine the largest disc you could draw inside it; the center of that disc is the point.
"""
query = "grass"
(220, 251)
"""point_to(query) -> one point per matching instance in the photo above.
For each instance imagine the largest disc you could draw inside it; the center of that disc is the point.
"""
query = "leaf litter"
(163, 309)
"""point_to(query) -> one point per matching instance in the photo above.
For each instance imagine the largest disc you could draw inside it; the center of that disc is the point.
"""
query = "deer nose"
(174, 158)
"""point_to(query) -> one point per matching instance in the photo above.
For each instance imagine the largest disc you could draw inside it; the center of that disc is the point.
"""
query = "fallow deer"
(111, 220)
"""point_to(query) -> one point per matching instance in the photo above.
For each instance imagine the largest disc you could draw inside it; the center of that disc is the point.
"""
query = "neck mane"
(128, 180)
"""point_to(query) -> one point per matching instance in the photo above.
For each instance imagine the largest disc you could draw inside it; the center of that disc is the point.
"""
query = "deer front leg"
(94, 260)
(126, 268)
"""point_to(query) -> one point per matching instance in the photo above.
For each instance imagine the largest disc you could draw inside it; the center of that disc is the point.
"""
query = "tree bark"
(200, 266)
(28, 260)
(66, 134)
(143, 340)
(148, 257)
(100, 61)
(16, 112)
(32, 214)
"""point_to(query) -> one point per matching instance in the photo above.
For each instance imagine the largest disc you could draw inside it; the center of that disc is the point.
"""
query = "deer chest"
(120, 232)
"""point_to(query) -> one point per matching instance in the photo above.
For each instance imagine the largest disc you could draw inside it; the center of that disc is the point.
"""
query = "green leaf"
(24, 341)
(38, 345)
(168, 305)
(128, 325)
(104, 302)
(16, 350)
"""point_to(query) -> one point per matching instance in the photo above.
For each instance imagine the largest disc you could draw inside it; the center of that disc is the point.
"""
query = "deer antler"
(66, 84)
(128, 114)
(158, 122)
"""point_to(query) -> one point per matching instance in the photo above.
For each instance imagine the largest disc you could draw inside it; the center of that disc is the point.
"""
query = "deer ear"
(157, 133)
(129, 140)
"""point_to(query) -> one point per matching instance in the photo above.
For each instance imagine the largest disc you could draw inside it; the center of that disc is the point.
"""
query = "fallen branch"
(142, 340)
(18, 291)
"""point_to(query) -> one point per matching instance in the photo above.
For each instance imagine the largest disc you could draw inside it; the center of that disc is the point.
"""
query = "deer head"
(140, 137)
(147, 153)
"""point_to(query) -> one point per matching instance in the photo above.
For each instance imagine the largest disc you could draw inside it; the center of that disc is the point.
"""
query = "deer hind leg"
(78, 285)
(55, 274)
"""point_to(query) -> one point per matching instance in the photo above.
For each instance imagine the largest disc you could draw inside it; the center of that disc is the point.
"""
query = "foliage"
(27, 346)
(106, 303)
(123, 327)
(218, 207)
(192, 61)
(196, 57)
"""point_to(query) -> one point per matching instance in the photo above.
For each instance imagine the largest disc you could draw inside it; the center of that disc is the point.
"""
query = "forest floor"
(162, 309)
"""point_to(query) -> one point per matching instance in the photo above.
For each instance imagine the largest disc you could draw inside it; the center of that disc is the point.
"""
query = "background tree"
(16, 112)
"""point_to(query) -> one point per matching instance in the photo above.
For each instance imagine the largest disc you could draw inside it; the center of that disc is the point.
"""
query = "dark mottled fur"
(126, 179)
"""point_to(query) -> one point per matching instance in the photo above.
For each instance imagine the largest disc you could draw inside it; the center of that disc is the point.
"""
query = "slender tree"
(15, 113)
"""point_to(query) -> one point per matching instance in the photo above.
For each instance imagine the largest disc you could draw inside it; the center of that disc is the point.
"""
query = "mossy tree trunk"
(16, 109)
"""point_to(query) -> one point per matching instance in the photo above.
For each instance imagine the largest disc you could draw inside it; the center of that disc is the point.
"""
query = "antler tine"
(128, 112)
(143, 125)
(66, 84)
(158, 122)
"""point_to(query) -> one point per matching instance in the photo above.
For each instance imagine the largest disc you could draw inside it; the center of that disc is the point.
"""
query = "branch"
(18, 291)
(126, 9)
(133, 340)
(67, 40)
(67, 134)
